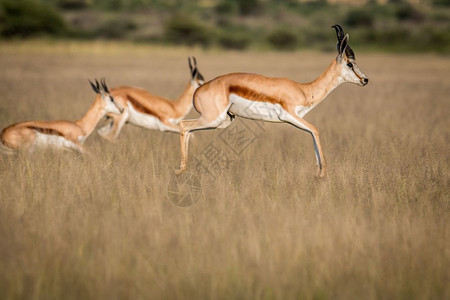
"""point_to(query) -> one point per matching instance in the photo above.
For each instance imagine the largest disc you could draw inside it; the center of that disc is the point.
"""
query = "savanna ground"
(103, 227)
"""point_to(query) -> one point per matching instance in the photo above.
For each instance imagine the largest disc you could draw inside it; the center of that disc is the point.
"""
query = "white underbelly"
(255, 110)
(263, 111)
(50, 140)
(147, 121)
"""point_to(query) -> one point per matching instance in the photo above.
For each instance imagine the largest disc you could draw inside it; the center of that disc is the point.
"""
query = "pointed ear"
(94, 87)
(342, 47)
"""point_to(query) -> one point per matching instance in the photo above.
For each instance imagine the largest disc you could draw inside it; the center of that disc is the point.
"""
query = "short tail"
(3, 146)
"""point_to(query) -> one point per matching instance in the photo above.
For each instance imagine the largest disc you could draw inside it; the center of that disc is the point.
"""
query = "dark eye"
(350, 65)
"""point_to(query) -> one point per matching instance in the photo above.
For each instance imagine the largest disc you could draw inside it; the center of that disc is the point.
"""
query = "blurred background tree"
(393, 25)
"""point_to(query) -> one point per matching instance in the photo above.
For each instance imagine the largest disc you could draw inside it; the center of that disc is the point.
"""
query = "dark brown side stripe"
(46, 130)
(140, 107)
(251, 94)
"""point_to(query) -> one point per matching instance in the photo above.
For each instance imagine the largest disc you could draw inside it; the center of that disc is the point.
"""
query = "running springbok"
(60, 134)
(258, 97)
(149, 111)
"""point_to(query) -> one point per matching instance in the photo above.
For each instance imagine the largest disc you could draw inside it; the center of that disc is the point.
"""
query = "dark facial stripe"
(249, 94)
(359, 77)
(46, 130)
(140, 107)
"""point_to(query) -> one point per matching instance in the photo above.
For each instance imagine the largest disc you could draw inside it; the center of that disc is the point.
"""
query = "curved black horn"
(95, 88)
(105, 88)
(190, 64)
(339, 32)
(340, 36)
(195, 61)
(97, 85)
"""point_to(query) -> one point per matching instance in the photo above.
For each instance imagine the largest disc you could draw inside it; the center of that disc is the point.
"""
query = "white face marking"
(354, 74)
(146, 121)
(49, 140)
(255, 110)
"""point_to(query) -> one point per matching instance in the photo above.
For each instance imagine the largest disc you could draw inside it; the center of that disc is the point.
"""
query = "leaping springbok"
(60, 134)
(270, 99)
(149, 111)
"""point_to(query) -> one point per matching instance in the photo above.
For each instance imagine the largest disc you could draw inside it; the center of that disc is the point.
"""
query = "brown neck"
(184, 103)
(324, 84)
(91, 118)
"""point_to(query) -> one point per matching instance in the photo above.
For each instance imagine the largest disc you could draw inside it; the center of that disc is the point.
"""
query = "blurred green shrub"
(444, 3)
(72, 4)
(406, 12)
(25, 18)
(116, 28)
(243, 7)
(225, 7)
(184, 29)
(236, 40)
(359, 17)
(248, 7)
(437, 39)
(235, 24)
(282, 39)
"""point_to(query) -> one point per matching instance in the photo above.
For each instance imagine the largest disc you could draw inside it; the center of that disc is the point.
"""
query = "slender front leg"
(120, 120)
(105, 130)
(293, 119)
(112, 130)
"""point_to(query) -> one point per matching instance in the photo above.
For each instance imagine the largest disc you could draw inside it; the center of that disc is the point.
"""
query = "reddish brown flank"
(249, 94)
(46, 130)
(139, 107)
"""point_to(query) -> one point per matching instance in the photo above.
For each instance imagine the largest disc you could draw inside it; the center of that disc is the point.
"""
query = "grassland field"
(262, 226)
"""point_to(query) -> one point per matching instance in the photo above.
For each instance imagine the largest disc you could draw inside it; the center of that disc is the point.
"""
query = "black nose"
(366, 80)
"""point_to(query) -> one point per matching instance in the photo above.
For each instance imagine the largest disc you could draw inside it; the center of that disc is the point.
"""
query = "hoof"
(179, 171)
(321, 173)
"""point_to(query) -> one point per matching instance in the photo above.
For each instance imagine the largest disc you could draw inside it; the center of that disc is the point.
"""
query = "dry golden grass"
(104, 228)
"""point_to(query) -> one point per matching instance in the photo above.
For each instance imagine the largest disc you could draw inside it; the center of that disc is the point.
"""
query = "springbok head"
(346, 60)
(108, 103)
(196, 77)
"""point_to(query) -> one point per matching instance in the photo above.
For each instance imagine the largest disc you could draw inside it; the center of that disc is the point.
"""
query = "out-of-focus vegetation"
(397, 25)
(103, 226)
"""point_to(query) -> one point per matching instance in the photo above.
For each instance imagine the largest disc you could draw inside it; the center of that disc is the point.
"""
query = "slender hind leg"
(188, 126)
(293, 119)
